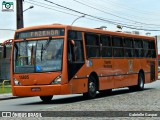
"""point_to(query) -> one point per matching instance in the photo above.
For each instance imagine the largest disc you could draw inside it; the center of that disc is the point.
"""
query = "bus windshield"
(38, 56)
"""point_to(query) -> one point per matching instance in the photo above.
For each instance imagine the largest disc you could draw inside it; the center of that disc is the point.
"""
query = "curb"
(7, 96)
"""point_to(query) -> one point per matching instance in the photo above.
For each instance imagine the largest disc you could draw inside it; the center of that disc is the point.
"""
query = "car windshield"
(38, 56)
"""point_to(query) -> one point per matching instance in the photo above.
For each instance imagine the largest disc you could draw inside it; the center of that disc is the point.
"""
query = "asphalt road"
(120, 100)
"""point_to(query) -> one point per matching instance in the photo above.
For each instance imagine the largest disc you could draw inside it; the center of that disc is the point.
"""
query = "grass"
(7, 89)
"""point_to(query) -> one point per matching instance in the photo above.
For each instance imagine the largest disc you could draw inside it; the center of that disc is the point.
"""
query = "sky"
(132, 15)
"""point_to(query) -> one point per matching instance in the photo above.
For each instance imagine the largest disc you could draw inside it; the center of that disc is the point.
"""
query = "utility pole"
(19, 5)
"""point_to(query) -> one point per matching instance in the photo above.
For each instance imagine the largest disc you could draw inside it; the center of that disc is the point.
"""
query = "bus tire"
(46, 99)
(140, 85)
(92, 88)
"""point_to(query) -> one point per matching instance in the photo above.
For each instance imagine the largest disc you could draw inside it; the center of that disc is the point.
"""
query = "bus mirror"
(4, 51)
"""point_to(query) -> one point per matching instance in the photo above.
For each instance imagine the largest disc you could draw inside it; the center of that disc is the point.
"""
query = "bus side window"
(152, 48)
(92, 45)
(118, 50)
(106, 48)
(138, 48)
(75, 47)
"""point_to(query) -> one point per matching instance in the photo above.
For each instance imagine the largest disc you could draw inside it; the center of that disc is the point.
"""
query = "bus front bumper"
(43, 90)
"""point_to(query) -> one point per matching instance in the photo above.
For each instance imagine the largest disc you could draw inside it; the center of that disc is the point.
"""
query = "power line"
(111, 20)
(80, 12)
(127, 26)
(98, 19)
(56, 9)
(124, 6)
(50, 8)
(60, 10)
(8, 29)
(113, 14)
(111, 9)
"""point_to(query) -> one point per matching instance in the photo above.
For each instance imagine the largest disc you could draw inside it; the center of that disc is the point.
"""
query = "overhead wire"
(122, 12)
(8, 29)
(90, 16)
(49, 8)
(127, 10)
(68, 13)
(124, 6)
(114, 14)
(65, 12)
(127, 26)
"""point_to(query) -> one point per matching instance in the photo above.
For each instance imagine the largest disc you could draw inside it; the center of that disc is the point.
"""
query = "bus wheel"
(140, 85)
(46, 98)
(92, 89)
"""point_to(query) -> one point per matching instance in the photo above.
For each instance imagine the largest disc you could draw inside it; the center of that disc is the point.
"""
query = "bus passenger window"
(138, 46)
(75, 47)
(92, 45)
(106, 50)
(151, 45)
(128, 52)
(138, 43)
(118, 52)
(117, 41)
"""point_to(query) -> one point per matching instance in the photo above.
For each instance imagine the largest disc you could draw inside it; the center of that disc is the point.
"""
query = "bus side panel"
(115, 73)
(106, 83)
(147, 78)
(78, 85)
(104, 70)
(145, 66)
(131, 79)
(150, 71)
(120, 67)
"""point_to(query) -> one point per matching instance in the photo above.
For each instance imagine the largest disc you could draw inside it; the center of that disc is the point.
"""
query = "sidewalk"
(7, 96)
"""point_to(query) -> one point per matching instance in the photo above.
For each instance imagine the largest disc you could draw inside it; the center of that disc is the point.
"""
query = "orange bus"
(60, 59)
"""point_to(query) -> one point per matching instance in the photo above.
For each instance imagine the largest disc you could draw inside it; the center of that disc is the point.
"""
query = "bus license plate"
(36, 89)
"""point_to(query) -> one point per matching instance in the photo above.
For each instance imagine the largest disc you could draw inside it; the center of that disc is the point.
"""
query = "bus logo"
(130, 63)
(6, 114)
(7, 6)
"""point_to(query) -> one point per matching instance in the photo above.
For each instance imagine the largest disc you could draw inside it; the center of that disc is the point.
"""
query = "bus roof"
(94, 30)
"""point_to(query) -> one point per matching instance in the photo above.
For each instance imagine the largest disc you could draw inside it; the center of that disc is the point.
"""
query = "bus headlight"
(16, 82)
(57, 80)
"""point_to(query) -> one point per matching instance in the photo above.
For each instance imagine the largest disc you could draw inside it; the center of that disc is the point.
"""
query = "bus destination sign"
(40, 33)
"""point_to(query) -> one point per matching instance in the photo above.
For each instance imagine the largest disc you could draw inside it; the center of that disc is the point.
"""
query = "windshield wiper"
(41, 52)
(43, 48)
(47, 43)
